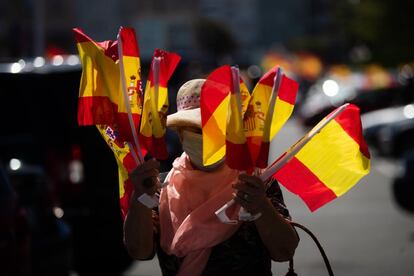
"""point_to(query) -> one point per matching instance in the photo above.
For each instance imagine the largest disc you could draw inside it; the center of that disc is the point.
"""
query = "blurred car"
(390, 131)
(332, 91)
(49, 235)
(14, 233)
(39, 127)
(403, 186)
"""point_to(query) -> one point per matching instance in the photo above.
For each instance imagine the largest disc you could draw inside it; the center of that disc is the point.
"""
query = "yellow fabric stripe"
(245, 97)
(100, 74)
(256, 113)
(159, 120)
(132, 75)
(334, 157)
(146, 127)
(281, 114)
(235, 132)
(153, 114)
(214, 134)
(123, 176)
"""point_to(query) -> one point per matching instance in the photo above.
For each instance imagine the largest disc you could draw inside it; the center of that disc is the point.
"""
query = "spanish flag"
(155, 109)
(237, 151)
(258, 125)
(123, 153)
(281, 104)
(331, 163)
(214, 104)
(130, 99)
(101, 99)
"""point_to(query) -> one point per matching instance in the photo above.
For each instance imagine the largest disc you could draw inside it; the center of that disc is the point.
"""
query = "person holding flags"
(184, 231)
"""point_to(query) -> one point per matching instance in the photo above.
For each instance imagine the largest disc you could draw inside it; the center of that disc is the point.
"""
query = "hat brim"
(185, 118)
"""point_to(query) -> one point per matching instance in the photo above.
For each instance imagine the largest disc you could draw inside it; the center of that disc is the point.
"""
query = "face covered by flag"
(214, 104)
(153, 125)
(331, 163)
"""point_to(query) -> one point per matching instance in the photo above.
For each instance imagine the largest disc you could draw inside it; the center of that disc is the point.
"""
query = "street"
(363, 232)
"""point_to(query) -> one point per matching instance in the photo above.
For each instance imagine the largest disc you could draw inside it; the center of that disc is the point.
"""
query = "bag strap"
(291, 271)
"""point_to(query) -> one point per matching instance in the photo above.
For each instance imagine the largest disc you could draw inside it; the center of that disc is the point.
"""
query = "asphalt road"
(363, 232)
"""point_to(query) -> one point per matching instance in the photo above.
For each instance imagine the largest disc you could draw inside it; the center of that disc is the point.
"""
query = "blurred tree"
(384, 27)
(215, 39)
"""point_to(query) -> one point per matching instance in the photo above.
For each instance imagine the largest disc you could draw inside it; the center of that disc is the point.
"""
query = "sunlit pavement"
(364, 232)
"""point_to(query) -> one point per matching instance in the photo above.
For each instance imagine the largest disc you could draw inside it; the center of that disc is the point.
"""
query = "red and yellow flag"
(102, 102)
(153, 125)
(237, 151)
(100, 84)
(101, 99)
(123, 153)
(280, 109)
(214, 103)
(331, 163)
(130, 74)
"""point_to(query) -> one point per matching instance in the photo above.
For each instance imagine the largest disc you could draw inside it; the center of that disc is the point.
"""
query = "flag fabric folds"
(123, 153)
(261, 128)
(99, 86)
(110, 97)
(155, 108)
(100, 95)
(330, 164)
(279, 111)
(237, 151)
(130, 77)
(214, 102)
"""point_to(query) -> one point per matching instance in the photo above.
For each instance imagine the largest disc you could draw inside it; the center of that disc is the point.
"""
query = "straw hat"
(188, 106)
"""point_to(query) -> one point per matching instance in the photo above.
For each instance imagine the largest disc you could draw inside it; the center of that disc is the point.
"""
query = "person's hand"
(250, 193)
(145, 177)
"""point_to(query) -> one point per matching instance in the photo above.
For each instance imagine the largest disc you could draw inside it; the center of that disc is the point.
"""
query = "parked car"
(328, 93)
(403, 186)
(390, 131)
(39, 127)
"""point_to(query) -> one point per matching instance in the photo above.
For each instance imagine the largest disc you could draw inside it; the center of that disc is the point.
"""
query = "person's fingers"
(246, 188)
(239, 200)
(251, 180)
(147, 165)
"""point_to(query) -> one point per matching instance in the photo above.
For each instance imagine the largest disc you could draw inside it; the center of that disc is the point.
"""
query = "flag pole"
(156, 75)
(126, 99)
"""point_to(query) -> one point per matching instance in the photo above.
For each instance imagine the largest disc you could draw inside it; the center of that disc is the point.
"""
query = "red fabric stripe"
(288, 90)
(109, 47)
(96, 110)
(269, 77)
(124, 127)
(80, 36)
(238, 156)
(129, 42)
(159, 148)
(168, 63)
(215, 89)
(263, 156)
(254, 147)
(145, 142)
(129, 162)
(350, 121)
(298, 179)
